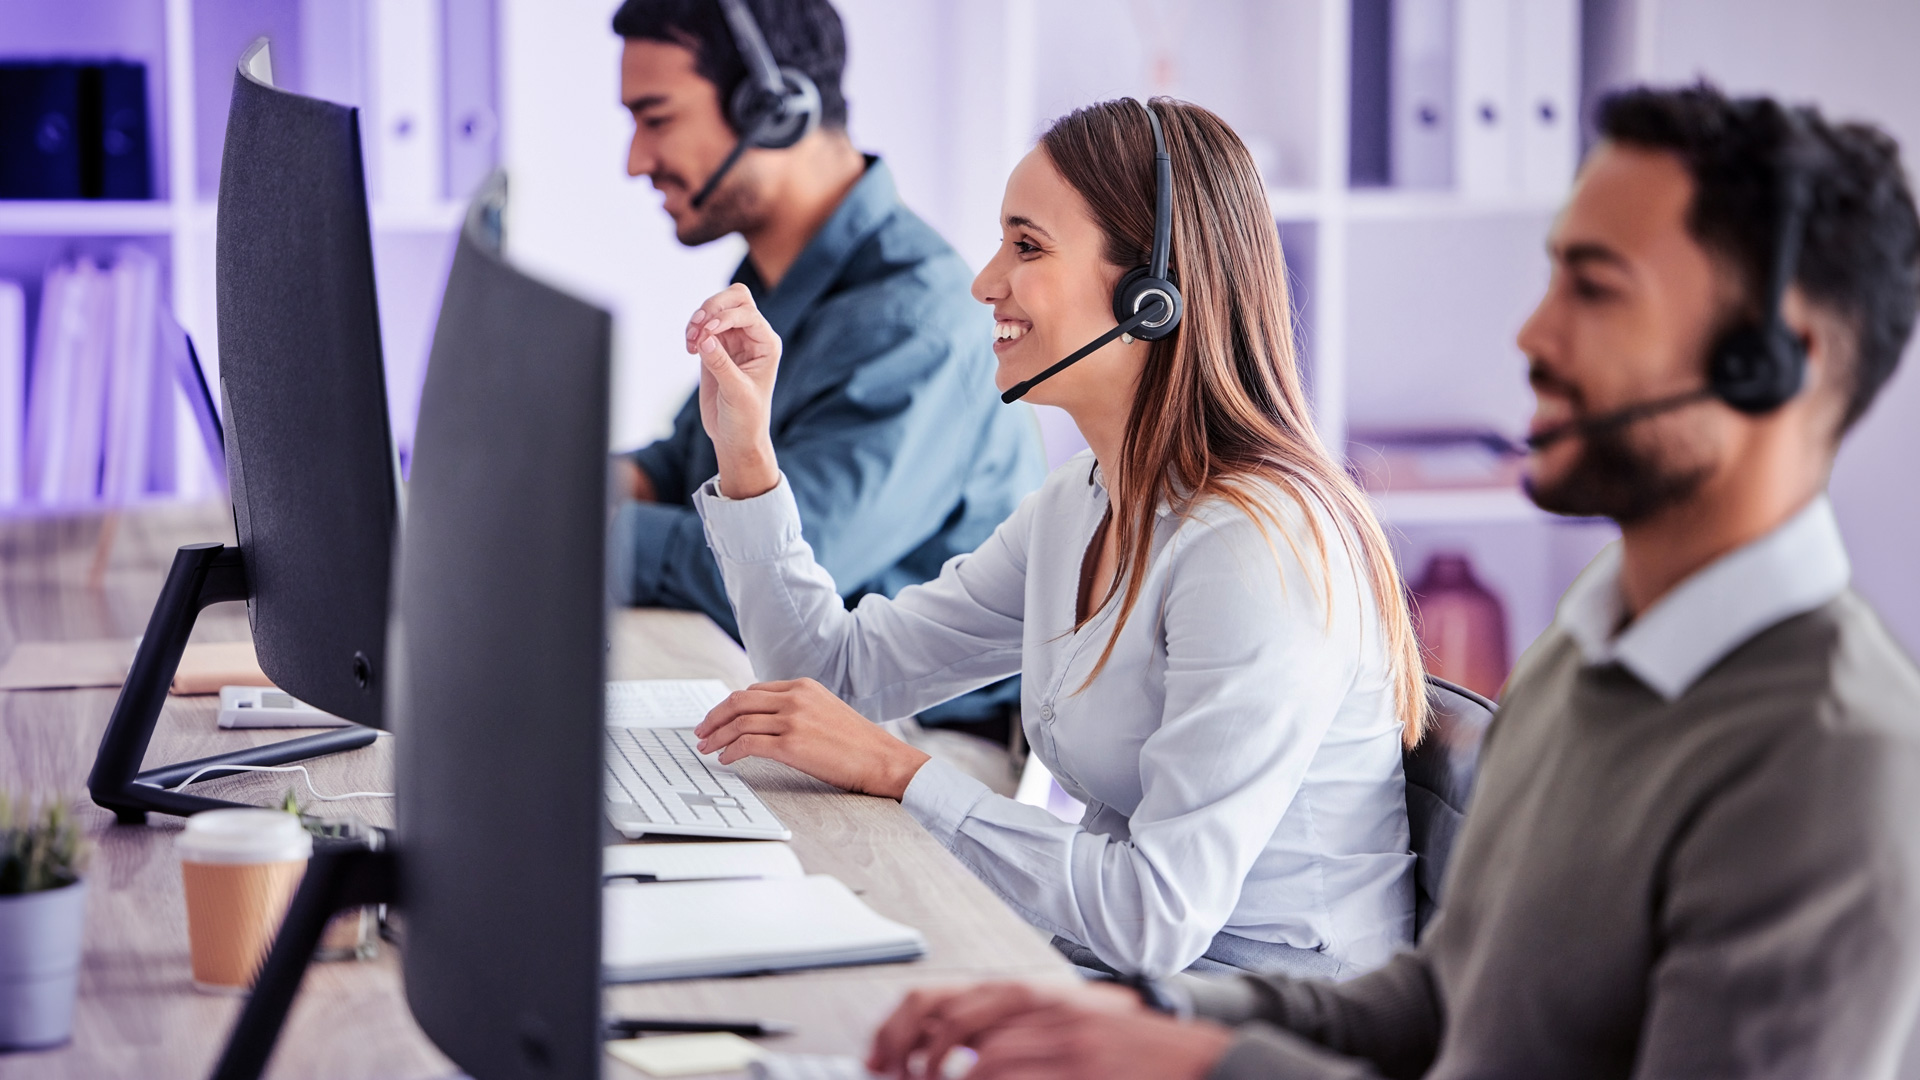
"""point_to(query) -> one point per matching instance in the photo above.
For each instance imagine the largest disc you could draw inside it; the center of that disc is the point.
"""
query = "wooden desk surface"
(138, 1014)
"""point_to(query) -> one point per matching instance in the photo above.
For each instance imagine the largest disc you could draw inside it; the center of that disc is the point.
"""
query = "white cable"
(301, 769)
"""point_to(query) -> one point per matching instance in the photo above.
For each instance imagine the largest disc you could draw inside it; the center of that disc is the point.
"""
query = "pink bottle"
(1462, 627)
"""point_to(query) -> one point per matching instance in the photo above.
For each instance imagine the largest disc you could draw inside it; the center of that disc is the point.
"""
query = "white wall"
(927, 89)
(1855, 59)
(578, 220)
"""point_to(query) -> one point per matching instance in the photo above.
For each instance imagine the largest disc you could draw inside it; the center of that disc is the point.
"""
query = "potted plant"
(42, 904)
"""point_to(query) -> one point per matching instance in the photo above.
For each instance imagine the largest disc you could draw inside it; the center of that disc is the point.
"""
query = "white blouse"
(1239, 755)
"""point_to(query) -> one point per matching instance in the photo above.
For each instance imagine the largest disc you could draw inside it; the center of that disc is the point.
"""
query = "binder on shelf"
(13, 389)
(1420, 86)
(1548, 72)
(1369, 154)
(126, 160)
(407, 101)
(135, 391)
(472, 122)
(39, 131)
(91, 301)
(1487, 152)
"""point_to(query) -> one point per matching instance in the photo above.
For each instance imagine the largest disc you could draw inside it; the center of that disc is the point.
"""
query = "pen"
(624, 1027)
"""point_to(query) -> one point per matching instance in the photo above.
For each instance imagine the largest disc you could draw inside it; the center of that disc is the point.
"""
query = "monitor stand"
(339, 876)
(202, 574)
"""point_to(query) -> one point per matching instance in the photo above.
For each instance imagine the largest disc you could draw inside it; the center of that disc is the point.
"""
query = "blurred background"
(1415, 152)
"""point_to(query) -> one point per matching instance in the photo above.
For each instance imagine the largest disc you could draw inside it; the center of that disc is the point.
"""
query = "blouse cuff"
(761, 529)
(940, 797)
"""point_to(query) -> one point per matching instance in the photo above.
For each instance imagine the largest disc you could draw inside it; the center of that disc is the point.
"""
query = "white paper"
(694, 929)
(694, 862)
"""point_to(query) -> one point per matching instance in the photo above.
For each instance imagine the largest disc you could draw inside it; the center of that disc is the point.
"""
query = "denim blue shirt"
(885, 419)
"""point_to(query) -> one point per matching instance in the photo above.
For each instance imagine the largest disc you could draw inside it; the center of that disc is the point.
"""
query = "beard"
(733, 207)
(1615, 478)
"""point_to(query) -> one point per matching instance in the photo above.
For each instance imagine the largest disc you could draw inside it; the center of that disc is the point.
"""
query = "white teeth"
(1008, 331)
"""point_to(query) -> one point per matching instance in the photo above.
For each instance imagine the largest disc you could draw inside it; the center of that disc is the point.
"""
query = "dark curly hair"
(1860, 255)
(803, 34)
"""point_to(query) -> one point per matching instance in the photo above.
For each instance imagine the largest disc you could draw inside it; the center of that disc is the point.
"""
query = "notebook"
(700, 929)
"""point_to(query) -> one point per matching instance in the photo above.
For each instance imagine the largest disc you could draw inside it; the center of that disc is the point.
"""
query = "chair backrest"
(1440, 773)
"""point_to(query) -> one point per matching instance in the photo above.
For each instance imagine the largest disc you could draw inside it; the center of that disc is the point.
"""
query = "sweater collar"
(1792, 570)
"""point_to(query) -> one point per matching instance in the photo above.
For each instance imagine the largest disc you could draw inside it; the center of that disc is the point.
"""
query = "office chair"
(1440, 774)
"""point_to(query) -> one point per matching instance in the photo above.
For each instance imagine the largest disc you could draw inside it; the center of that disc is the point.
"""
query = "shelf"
(1458, 506)
(1392, 205)
(34, 217)
(1294, 204)
(440, 217)
(1386, 204)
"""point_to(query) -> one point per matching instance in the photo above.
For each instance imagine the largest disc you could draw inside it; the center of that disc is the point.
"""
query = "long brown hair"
(1219, 410)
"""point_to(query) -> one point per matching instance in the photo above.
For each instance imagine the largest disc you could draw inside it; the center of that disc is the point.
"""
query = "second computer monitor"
(309, 452)
(498, 691)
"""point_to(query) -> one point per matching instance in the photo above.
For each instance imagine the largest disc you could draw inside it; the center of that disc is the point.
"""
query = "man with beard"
(1694, 848)
(885, 418)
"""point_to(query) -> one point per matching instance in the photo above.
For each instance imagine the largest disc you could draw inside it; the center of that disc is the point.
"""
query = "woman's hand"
(929, 1023)
(739, 356)
(800, 723)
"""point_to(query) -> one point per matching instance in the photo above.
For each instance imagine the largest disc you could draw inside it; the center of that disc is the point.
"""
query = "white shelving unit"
(323, 47)
(1408, 299)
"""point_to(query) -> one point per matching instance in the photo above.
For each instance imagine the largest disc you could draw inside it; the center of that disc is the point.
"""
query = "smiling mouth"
(1007, 331)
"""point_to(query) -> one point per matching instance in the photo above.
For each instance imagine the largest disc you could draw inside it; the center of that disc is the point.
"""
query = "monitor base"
(202, 574)
(338, 877)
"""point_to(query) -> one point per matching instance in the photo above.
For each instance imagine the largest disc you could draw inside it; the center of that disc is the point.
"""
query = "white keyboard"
(662, 702)
(657, 783)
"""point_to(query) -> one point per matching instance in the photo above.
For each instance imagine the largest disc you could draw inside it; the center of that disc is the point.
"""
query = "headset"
(1756, 365)
(1146, 303)
(772, 108)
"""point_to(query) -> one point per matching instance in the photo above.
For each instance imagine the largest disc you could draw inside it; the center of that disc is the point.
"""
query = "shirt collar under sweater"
(1795, 568)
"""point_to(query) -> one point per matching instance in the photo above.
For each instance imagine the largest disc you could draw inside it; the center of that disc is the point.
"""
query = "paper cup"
(240, 868)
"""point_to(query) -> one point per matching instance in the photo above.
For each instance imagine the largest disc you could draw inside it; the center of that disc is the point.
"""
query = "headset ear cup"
(1757, 369)
(1132, 294)
(771, 123)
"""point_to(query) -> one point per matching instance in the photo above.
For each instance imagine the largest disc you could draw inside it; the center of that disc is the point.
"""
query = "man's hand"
(929, 1023)
(800, 723)
(1022, 1031)
(634, 480)
(739, 357)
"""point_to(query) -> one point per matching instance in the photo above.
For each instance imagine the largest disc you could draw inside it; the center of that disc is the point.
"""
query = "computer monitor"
(497, 692)
(499, 685)
(309, 454)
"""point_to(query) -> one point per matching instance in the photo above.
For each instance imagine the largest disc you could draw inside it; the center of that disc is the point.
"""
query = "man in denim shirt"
(885, 415)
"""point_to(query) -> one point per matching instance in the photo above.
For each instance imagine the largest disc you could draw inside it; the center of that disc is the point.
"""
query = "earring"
(1126, 339)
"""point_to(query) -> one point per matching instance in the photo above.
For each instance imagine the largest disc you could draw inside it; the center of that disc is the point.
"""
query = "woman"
(1214, 650)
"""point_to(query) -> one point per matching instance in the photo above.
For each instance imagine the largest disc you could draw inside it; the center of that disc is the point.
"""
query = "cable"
(301, 769)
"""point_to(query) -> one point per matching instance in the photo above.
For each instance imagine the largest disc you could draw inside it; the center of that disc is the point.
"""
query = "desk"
(138, 1014)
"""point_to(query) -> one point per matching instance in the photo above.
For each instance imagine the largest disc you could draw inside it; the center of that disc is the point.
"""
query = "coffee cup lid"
(244, 835)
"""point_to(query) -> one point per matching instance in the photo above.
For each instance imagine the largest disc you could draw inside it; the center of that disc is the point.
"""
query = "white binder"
(1421, 124)
(1549, 72)
(1487, 157)
(407, 112)
(13, 390)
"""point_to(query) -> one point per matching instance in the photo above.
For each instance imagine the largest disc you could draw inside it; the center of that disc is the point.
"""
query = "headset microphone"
(773, 107)
(1612, 421)
(1146, 303)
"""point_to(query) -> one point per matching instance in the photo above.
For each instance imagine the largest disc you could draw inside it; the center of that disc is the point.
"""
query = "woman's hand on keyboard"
(800, 723)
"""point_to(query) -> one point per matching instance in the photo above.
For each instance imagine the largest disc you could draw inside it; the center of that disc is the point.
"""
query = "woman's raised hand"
(739, 356)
